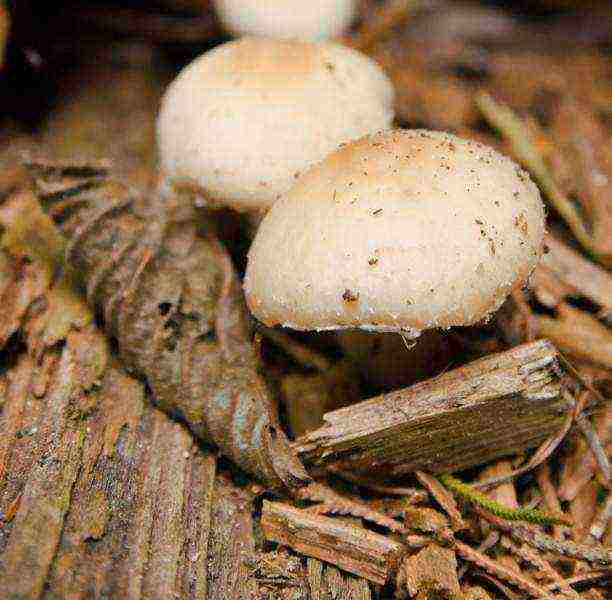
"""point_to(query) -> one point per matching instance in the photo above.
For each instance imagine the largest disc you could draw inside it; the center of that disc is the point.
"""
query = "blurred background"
(85, 77)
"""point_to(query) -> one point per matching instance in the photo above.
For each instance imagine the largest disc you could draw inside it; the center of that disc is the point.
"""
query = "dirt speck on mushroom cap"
(460, 226)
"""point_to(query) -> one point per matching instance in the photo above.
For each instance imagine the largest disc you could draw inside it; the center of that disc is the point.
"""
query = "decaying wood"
(490, 408)
(443, 497)
(120, 491)
(331, 502)
(431, 573)
(280, 575)
(581, 465)
(534, 537)
(354, 549)
(578, 274)
(123, 494)
(173, 301)
(602, 520)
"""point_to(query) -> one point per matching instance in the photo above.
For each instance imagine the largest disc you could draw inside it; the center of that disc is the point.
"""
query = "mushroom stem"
(388, 361)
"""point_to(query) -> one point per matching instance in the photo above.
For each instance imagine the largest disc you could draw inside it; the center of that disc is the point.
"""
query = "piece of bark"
(602, 520)
(493, 407)
(280, 575)
(332, 502)
(475, 593)
(430, 574)
(550, 495)
(443, 497)
(130, 519)
(581, 465)
(525, 585)
(170, 296)
(583, 509)
(354, 549)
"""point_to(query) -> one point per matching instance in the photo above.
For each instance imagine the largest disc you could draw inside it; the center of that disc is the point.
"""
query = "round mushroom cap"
(300, 19)
(399, 231)
(244, 120)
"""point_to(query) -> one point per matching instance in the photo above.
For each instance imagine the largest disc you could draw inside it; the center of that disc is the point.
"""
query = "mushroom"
(307, 20)
(244, 120)
(402, 231)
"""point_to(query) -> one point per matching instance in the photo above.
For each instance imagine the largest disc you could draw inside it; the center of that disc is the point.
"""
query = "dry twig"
(443, 497)
(545, 543)
(504, 573)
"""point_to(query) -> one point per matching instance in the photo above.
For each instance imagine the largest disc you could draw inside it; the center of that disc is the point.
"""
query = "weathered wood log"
(354, 549)
(172, 300)
(493, 407)
(100, 493)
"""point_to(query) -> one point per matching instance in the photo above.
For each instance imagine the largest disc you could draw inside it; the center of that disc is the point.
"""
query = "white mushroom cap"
(399, 231)
(245, 119)
(300, 19)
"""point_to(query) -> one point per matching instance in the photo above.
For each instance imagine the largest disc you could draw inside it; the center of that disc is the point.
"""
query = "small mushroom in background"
(402, 231)
(244, 120)
(297, 19)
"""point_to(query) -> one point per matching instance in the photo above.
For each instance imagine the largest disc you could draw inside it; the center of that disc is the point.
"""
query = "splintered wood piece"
(354, 549)
(493, 407)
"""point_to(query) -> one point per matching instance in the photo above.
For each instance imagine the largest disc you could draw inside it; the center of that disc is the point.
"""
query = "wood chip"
(490, 408)
(354, 549)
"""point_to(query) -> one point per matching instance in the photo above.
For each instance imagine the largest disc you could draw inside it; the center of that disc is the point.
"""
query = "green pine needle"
(472, 495)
